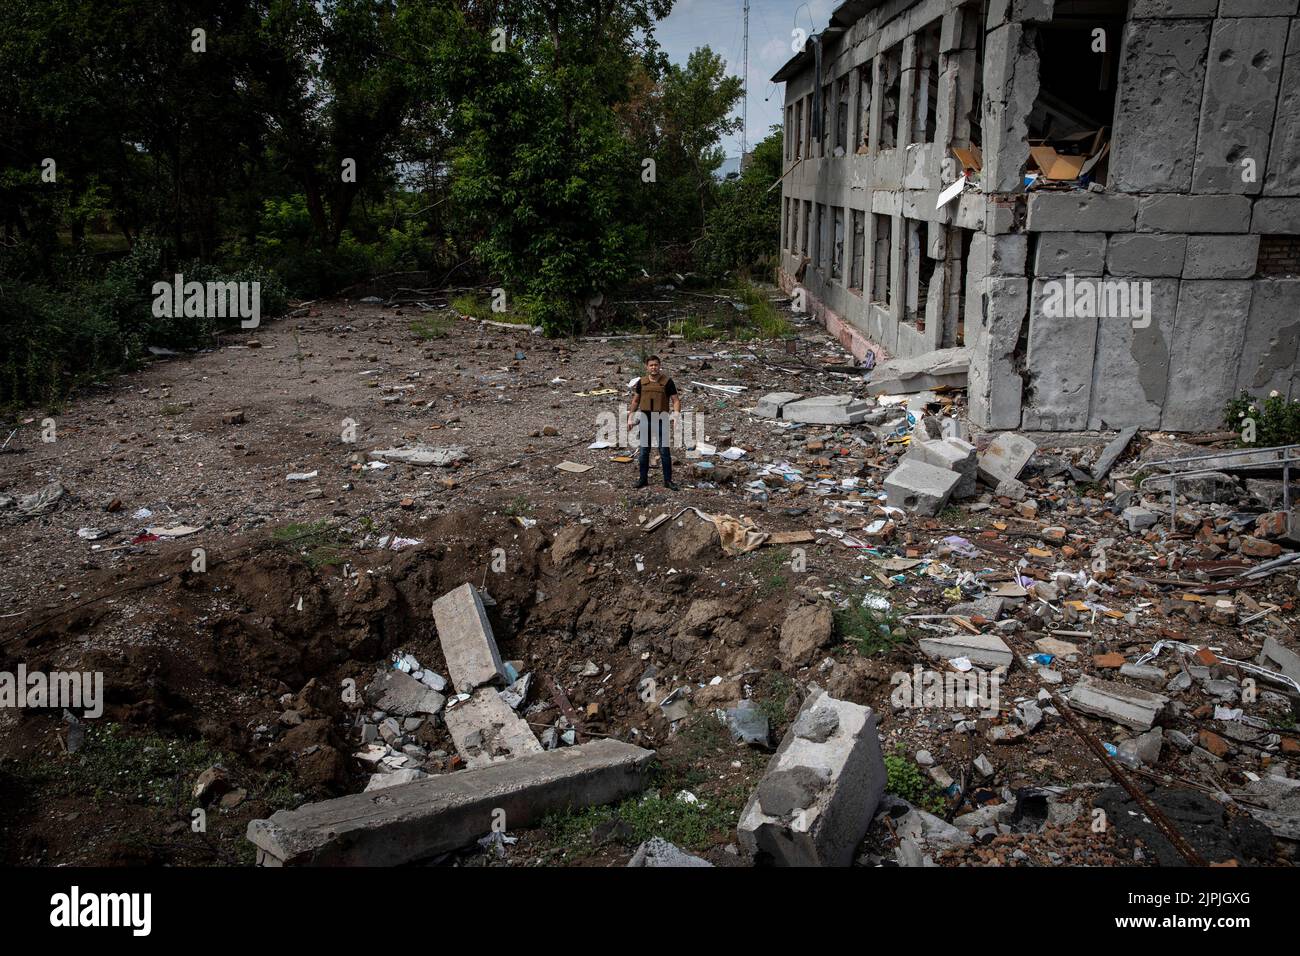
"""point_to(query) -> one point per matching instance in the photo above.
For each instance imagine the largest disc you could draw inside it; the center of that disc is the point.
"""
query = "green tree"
(743, 232)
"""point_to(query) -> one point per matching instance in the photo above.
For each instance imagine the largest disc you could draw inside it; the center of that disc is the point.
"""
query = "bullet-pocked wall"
(1149, 297)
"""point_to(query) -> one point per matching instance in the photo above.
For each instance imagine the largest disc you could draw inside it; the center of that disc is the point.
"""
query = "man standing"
(655, 394)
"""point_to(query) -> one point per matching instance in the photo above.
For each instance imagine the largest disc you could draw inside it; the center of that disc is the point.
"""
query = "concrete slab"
(420, 820)
(1076, 253)
(1283, 176)
(769, 406)
(1272, 340)
(1155, 120)
(467, 641)
(485, 730)
(827, 410)
(1130, 373)
(1221, 257)
(986, 650)
(820, 792)
(1059, 362)
(1005, 457)
(1112, 452)
(1241, 86)
(1205, 352)
(1149, 255)
(1217, 214)
(920, 488)
(905, 376)
(1129, 706)
(1081, 212)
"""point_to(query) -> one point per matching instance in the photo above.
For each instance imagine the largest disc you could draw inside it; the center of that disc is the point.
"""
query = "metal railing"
(1285, 456)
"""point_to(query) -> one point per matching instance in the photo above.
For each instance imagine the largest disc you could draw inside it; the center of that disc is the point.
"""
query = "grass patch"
(318, 543)
(170, 408)
(775, 693)
(478, 307)
(870, 630)
(520, 507)
(905, 779)
(768, 564)
(433, 325)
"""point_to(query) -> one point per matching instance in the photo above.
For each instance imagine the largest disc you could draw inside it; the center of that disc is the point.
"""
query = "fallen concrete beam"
(486, 731)
(769, 406)
(821, 788)
(920, 373)
(952, 454)
(920, 488)
(827, 410)
(1110, 454)
(420, 820)
(1125, 705)
(467, 642)
(1005, 457)
(987, 650)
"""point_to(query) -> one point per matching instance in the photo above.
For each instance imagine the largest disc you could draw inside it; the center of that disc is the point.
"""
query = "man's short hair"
(653, 358)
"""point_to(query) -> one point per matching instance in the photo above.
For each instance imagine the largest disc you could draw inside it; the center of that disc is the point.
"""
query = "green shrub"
(1276, 420)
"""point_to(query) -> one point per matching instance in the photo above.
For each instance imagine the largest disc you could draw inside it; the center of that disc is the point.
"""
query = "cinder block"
(1147, 254)
(954, 454)
(1272, 339)
(1221, 257)
(1257, 8)
(819, 794)
(1075, 253)
(1081, 212)
(1220, 214)
(986, 650)
(1276, 216)
(1130, 374)
(420, 820)
(1059, 358)
(827, 410)
(999, 255)
(467, 640)
(1005, 457)
(1173, 9)
(920, 488)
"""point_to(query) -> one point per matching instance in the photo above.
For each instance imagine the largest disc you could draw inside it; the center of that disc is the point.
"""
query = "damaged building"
(1096, 201)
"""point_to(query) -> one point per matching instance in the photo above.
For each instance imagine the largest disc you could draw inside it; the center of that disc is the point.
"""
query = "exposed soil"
(245, 663)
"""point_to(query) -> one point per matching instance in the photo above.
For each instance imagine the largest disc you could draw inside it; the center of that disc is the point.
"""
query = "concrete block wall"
(1201, 207)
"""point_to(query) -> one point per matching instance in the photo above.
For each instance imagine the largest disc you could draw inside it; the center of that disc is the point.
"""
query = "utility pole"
(744, 104)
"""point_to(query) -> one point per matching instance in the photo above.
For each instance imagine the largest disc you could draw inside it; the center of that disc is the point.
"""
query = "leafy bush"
(743, 232)
(905, 779)
(1277, 420)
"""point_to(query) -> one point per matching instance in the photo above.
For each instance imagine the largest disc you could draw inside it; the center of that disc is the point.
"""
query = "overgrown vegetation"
(319, 543)
(1273, 421)
(313, 145)
(869, 629)
(907, 780)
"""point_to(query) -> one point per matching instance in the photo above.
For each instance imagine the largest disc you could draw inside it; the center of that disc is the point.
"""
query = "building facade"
(1125, 246)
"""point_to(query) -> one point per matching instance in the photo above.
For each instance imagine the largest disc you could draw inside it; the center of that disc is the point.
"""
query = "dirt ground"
(311, 583)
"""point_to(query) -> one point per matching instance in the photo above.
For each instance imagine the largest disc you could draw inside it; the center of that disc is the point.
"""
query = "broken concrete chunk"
(817, 724)
(439, 456)
(1125, 705)
(903, 376)
(827, 410)
(1138, 518)
(420, 820)
(920, 488)
(952, 454)
(985, 650)
(1005, 457)
(395, 692)
(849, 776)
(378, 781)
(485, 730)
(467, 641)
(1111, 453)
(769, 406)
(658, 852)
(1275, 656)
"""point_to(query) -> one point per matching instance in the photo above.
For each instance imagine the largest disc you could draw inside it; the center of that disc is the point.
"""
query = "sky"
(719, 24)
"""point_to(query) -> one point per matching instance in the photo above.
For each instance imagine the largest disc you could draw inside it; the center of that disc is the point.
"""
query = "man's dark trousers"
(648, 438)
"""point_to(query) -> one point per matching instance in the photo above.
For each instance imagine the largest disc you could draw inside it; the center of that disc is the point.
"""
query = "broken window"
(807, 126)
(959, 242)
(864, 107)
(798, 128)
(807, 214)
(882, 226)
(891, 71)
(1071, 119)
(791, 149)
(842, 115)
(920, 273)
(859, 237)
(825, 128)
(837, 250)
(926, 85)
